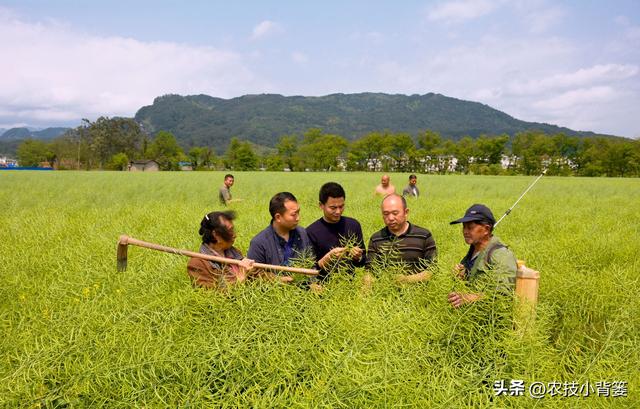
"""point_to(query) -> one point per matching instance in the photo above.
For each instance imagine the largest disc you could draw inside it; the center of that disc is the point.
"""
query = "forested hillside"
(203, 120)
(23, 132)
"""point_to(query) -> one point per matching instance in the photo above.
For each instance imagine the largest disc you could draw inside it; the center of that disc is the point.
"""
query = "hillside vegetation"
(201, 120)
(23, 133)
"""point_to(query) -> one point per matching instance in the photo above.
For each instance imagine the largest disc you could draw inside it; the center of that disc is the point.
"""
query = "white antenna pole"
(521, 196)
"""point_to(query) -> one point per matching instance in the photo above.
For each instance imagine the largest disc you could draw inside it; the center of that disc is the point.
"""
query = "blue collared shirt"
(269, 248)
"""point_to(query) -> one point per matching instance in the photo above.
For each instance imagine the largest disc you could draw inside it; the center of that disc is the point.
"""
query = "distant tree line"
(113, 143)
(107, 143)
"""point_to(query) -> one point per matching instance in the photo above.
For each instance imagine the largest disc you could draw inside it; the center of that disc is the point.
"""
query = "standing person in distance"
(385, 187)
(412, 189)
(329, 233)
(224, 193)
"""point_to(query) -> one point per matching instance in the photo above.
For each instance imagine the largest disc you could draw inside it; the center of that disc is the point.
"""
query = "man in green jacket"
(487, 258)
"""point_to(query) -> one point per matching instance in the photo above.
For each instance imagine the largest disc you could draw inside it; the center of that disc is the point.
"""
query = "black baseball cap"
(477, 213)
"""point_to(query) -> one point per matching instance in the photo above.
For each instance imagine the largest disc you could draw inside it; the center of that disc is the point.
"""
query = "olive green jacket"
(502, 266)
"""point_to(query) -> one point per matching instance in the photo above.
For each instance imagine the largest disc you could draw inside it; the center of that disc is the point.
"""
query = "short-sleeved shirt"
(324, 236)
(224, 195)
(416, 247)
(269, 248)
(411, 191)
(495, 258)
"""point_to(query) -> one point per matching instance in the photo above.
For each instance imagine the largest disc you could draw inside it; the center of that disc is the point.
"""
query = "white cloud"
(299, 58)
(584, 76)
(601, 109)
(542, 20)
(536, 17)
(621, 20)
(457, 11)
(493, 62)
(633, 33)
(58, 74)
(374, 37)
(576, 97)
(265, 28)
(487, 94)
(528, 79)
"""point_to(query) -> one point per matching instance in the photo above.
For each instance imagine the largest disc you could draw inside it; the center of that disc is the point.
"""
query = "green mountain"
(10, 139)
(16, 133)
(24, 133)
(204, 120)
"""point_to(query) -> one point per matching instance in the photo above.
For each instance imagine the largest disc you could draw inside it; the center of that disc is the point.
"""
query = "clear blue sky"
(574, 64)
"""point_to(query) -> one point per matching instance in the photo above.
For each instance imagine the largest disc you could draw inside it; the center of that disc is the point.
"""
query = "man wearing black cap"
(486, 254)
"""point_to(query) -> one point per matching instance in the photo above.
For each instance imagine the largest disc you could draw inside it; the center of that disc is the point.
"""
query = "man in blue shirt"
(283, 239)
(330, 233)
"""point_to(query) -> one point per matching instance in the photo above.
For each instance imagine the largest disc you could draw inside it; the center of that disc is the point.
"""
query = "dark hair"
(212, 223)
(490, 227)
(331, 189)
(412, 177)
(228, 175)
(483, 223)
(404, 201)
(276, 204)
